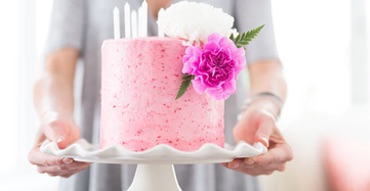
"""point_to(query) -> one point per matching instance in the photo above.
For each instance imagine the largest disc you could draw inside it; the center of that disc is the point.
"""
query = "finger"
(81, 167)
(279, 154)
(56, 131)
(234, 164)
(63, 133)
(65, 142)
(251, 169)
(243, 132)
(59, 171)
(72, 135)
(256, 170)
(266, 170)
(264, 130)
(280, 167)
(75, 166)
(67, 175)
(41, 159)
(277, 138)
(49, 169)
(53, 174)
(72, 172)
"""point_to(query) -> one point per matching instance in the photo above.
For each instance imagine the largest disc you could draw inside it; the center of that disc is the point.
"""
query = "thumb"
(264, 131)
(241, 132)
(61, 133)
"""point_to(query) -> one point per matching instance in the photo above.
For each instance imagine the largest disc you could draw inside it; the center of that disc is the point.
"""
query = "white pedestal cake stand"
(155, 166)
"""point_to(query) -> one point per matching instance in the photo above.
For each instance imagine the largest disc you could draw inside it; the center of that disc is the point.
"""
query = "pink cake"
(140, 81)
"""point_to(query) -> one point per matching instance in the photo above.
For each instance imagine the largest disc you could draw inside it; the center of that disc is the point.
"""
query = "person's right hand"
(64, 132)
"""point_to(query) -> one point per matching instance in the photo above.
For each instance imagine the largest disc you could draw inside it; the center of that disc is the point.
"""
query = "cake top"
(215, 52)
(143, 39)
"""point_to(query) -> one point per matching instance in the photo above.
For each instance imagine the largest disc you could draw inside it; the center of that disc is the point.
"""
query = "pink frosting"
(140, 80)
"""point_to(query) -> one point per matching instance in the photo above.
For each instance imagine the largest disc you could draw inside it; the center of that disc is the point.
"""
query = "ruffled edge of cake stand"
(82, 150)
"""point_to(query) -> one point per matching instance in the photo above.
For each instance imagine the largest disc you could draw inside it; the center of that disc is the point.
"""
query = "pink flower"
(215, 67)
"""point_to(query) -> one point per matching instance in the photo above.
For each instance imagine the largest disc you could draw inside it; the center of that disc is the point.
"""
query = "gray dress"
(84, 24)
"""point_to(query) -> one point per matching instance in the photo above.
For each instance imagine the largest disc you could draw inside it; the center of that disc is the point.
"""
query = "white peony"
(194, 22)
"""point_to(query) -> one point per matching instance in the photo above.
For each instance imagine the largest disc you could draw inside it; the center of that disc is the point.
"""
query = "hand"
(259, 125)
(64, 132)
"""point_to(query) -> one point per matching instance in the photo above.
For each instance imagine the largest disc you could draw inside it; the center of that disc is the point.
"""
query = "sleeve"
(250, 14)
(66, 27)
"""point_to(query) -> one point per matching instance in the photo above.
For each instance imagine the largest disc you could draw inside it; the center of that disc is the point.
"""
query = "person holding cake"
(78, 29)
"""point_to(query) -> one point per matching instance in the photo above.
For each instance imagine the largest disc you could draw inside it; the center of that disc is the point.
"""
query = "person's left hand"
(259, 125)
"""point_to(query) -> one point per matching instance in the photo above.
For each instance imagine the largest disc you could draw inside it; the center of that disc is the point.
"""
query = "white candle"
(116, 23)
(140, 21)
(143, 19)
(134, 24)
(127, 20)
(145, 8)
(160, 31)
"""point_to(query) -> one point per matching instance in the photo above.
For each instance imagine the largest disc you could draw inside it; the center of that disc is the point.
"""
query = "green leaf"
(244, 39)
(232, 36)
(186, 81)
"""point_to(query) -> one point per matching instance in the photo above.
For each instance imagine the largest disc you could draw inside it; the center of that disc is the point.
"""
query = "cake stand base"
(149, 177)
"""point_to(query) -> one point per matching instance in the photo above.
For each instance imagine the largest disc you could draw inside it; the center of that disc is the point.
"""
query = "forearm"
(53, 99)
(267, 76)
(53, 92)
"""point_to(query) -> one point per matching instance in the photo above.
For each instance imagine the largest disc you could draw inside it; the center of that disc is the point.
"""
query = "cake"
(140, 79)
(171, 90)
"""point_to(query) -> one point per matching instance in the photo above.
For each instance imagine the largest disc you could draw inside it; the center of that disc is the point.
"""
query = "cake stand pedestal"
(154, 177)
(155, 170)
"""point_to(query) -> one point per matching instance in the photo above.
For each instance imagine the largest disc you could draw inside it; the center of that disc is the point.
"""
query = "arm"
(155, 6)
(53, 98)
(258, 121)
(53, 92)
(265, 76)
(56, 83)
(53, 95)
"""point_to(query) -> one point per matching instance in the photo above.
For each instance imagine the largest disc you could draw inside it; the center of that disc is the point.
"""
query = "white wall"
(323, 47)
(8, 82)
(22, 37)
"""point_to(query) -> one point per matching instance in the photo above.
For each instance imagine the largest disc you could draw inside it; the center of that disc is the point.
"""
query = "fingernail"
(266, 141)
(249, 161)
(67, 160)
(59, 140)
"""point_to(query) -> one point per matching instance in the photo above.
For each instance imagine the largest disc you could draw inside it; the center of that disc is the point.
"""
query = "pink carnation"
(215, 67)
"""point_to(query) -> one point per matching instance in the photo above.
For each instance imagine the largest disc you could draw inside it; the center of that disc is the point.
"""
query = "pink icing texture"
(140, 80)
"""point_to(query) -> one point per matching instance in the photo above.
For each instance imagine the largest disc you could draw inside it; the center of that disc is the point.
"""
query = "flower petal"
(194, 22)
(198, 85)
(215, 67)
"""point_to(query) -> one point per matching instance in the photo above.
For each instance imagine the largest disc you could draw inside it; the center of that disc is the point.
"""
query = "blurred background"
(324, 46)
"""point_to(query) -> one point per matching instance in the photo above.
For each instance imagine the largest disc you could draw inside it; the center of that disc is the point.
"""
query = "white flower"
(194, 22)
(233, 32)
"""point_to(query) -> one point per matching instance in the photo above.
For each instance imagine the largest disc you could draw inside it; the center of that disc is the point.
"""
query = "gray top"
(84, 24)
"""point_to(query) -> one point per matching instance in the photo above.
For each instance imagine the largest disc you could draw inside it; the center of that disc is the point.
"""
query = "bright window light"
(313, 43)
(9, 84)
